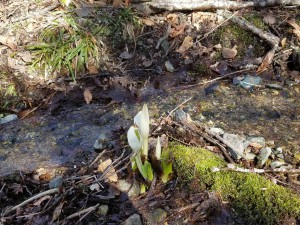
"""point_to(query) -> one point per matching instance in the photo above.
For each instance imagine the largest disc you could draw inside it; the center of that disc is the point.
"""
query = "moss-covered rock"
(253, 197)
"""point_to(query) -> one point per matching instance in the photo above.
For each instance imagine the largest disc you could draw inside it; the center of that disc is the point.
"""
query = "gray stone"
(277, 164)
(157, 216)
(132, 190)
(249, 156)
(250, 81)
(264, 155)
(134, 219)
(216, 131)
(235, 144)
(103, 210)
(101, 142)
(8, 118)
(56, 182)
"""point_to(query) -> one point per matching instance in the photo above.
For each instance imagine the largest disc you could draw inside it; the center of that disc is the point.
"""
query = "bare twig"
(98, 157)
(178, 106)
(216, 79)
(164, 37)
(84, 211)
(48, 192)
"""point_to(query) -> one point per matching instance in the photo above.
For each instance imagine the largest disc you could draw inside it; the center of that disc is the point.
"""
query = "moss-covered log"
(253, 197)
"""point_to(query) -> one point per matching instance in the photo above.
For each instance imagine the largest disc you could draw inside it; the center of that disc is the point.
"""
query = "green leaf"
(167, 170)
(148, 170)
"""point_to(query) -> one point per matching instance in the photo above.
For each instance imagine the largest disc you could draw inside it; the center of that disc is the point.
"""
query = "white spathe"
(134, 140)
(158, 149)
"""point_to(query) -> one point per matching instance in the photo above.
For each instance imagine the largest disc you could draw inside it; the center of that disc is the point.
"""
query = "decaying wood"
(192, 5)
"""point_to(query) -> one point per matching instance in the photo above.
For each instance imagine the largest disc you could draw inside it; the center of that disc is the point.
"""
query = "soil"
(57, 128)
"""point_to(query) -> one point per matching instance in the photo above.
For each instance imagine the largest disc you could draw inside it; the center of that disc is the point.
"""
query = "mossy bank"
(254, 198)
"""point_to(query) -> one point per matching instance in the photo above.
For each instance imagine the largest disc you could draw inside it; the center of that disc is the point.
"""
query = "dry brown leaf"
(8, 41)
(93, 69)
(266, 61)
(87, 96)
(117, 3)
(57, 212)
(148, 22)
(111, 175)
(296, 27)
(269, 19)
(178, 30)
(283, 42)
(26, 56)
(229, 53)
(187, 43)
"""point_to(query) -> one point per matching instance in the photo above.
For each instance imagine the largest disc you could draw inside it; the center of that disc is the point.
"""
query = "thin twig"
(98, 157)
(216, 79)
(87, 210)
(179, 106)
(164, 37)
(48, 192)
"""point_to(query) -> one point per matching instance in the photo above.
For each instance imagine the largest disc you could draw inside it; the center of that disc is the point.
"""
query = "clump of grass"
(122, 25)
(66, 47)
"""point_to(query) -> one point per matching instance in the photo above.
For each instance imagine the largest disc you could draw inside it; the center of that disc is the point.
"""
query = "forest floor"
(56, 60)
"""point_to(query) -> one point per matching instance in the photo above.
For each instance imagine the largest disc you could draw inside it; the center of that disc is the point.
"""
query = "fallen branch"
(84, 211)
(191, 5)
(232, 167)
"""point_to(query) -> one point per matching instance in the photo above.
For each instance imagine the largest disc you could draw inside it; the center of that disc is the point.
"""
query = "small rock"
(264, 155)
(237, 80)
(235, 144)
(56, 182)
(103, 210)
(134, 219)
(157, 216)
(250, 81)
(216, 131)
(211, 88)
(182, 116)
(8, 118)
(101, 142)
(133, 190)
(277, 164)
(169, 66)
(249, 156)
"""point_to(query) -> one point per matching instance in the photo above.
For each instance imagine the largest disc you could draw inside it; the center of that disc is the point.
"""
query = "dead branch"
(232, 167)
(192, 5)
(84, 211)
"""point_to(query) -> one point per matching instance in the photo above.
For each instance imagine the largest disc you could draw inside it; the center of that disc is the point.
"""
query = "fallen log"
(153, 6)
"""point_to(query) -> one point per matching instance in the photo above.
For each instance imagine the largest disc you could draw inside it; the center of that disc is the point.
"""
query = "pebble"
(264, 155)
(134, 219)
(157, 216)
(56, 182)
(236, 148)
(103, 210)
(8, 118)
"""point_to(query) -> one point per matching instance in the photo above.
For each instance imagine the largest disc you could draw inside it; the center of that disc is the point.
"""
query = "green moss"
(256, 20)
(232, 34)
(253, 197)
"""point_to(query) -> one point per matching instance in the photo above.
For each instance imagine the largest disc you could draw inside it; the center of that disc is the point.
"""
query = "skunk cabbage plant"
(138, 137)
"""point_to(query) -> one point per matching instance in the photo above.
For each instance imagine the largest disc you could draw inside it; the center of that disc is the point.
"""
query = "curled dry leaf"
(266, 61)
(187, 43)
(111, 175)
(296, 27)
(229, 53)
(87, 96)
(147, 22)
